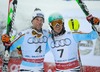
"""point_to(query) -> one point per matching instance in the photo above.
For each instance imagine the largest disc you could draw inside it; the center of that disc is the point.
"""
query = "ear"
(51, 27)
(50, 24)
(31, 21)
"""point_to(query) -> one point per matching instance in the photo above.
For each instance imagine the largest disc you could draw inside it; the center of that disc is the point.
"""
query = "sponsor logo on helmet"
(40, 15)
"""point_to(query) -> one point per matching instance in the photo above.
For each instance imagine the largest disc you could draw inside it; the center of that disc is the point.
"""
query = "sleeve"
(87, 36)
(18, 42)
(47, 48)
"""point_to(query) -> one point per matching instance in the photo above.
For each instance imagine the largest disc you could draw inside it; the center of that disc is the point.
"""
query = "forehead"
(38, 17)
(57, 20)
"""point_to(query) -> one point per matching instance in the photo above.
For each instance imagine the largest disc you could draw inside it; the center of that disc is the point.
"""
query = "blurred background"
(68, 8)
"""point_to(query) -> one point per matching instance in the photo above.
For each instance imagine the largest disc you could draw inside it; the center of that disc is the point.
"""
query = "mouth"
(59, 29)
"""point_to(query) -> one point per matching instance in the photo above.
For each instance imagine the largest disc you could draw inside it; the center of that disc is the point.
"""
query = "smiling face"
(57, 25)
(37, 23)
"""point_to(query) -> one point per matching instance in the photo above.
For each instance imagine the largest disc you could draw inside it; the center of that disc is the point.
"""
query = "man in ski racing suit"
(33, 43)
(64, 45)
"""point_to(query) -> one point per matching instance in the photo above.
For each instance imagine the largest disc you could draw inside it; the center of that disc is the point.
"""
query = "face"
(37, 23)
(57, 25)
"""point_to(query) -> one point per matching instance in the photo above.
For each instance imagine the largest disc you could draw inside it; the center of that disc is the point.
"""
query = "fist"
(93, 20)
(5, 38)
(96, 21)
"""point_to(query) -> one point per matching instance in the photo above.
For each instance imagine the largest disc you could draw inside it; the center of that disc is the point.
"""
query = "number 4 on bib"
(38, 49)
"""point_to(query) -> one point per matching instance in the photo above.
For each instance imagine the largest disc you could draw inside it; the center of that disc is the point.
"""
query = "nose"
(40, 22)
(57, 25)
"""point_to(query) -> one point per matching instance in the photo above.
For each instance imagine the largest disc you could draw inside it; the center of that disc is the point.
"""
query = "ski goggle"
(56, 22)
(37, 34)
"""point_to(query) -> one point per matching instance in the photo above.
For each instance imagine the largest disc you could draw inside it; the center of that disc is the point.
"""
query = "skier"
(33, 44)
(64, 45)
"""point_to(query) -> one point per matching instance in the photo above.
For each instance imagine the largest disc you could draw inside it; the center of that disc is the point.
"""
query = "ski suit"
(33, 50)
(65, 50)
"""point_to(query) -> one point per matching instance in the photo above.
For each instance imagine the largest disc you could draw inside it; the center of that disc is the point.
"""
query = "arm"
(85, 36)
(17, 43)
(47, 48)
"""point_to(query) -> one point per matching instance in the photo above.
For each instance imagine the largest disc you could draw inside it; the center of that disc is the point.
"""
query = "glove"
(5, 38)
(19, 50)
(93, 20)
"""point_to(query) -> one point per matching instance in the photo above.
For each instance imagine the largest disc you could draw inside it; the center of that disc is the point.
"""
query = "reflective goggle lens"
(54, 23)
(37, 34)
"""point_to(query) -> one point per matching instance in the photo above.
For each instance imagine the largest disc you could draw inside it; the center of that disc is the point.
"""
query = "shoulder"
(46, 32)
(68, 32)
(26, 31)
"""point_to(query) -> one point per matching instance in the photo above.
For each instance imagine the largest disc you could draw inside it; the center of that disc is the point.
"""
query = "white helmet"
(37, 13)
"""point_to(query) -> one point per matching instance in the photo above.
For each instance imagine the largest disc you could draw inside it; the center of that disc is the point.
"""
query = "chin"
(58, 32)
(38, 29)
